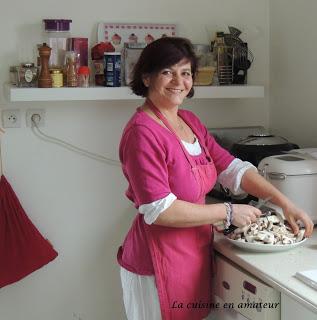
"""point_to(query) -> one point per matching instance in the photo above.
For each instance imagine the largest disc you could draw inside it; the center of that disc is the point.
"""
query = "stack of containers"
(56, 33)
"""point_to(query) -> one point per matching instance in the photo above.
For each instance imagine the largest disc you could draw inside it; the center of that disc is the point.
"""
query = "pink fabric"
(156, 163)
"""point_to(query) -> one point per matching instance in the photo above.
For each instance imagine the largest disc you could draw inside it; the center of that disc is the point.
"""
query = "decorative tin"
(112, 69)
(57, 78)
(27, 75)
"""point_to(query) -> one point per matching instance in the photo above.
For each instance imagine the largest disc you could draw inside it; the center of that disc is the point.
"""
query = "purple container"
(54, 25)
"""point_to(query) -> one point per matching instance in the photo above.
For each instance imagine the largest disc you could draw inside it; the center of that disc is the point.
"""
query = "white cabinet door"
(291, 309)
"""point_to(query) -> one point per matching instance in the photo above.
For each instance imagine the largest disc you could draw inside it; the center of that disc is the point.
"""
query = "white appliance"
(241, 296)
(295, 175)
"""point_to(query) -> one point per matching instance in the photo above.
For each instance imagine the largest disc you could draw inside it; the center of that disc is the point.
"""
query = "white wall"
(79, 203)
(293, 81)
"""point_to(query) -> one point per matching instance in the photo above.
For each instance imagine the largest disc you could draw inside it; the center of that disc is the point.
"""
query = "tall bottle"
(71, 69)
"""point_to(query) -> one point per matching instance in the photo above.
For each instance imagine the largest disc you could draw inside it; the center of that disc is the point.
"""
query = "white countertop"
(278, 269)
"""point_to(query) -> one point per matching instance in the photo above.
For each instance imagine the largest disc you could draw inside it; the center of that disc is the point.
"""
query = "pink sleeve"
(143, 160)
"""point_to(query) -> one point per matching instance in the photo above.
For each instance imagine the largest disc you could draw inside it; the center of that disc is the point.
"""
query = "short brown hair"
(159, 54)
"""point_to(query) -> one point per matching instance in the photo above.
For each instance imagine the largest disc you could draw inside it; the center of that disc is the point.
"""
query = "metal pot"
(258, 146)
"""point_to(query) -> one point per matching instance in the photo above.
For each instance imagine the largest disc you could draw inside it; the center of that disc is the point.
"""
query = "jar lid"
(83, 70)
(53, 25)
(116, 53)
(56, 71)
(28, 65)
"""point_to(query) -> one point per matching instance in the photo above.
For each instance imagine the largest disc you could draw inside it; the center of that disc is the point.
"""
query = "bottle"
(56, 33)
(83, 76)
(71, 70)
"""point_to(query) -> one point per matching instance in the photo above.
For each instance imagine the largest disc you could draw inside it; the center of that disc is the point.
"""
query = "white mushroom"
(267, 230)
(300, 235)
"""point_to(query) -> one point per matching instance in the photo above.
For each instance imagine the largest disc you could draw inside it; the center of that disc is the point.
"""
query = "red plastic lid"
(83, 70)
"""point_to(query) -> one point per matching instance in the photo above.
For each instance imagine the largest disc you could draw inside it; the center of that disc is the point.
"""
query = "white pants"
(140, 297)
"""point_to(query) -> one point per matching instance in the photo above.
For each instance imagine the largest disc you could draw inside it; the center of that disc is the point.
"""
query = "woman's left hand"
(294, 214)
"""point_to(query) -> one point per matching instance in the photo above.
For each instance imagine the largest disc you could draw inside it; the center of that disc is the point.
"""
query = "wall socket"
(38, 115)
(11, 118)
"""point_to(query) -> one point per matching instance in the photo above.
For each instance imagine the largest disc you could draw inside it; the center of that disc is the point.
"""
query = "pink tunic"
(155, 164)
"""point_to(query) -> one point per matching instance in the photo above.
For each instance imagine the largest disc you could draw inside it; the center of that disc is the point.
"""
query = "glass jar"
(27, 75)
(14, 75)
(57, 78)
(71, 69)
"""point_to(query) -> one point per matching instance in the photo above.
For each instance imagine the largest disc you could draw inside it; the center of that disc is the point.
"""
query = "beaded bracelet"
(229, 212)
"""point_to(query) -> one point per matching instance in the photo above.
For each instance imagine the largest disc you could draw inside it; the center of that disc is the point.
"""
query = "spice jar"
(27, 75)
(57, 78)
(83, 76)
(71, 70)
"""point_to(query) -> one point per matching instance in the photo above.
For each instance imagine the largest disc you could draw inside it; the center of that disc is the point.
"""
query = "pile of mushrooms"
(268, 229)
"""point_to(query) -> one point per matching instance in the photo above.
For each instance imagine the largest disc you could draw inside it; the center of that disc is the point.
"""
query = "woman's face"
(171, 85)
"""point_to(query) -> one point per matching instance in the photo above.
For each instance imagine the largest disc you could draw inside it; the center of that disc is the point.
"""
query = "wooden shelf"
(16, 94)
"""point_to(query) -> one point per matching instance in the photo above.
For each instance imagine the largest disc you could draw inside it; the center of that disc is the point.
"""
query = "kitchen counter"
(278, 269)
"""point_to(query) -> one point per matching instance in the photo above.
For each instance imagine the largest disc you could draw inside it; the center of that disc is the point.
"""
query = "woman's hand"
(243, 214)
(293, 215)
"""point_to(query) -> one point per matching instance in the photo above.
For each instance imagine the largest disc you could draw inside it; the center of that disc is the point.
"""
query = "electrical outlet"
(11, 118)
(36, 115)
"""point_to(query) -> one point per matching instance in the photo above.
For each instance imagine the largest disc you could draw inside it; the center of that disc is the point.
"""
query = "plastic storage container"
(56, 33)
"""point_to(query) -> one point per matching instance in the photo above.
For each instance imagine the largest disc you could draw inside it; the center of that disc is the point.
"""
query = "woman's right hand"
(243, 214)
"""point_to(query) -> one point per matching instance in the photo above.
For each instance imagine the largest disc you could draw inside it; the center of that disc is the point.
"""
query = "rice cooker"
(295, 175)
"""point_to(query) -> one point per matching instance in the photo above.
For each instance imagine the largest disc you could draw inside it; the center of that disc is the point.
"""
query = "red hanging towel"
(22, 248)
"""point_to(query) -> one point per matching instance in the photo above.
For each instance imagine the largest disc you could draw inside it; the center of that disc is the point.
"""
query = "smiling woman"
(171, 85)
(171, 162)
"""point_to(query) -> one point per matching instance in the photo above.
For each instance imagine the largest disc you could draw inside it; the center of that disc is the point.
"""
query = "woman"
(171, 162)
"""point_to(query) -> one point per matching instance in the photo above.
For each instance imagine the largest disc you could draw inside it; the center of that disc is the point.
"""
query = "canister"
(112, 69)
(27, 75)
(57, 78)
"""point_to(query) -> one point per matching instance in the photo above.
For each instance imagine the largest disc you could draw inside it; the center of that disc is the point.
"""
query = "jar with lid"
(57, 78)
(56, 33)
(83, 76)
(27, 75)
